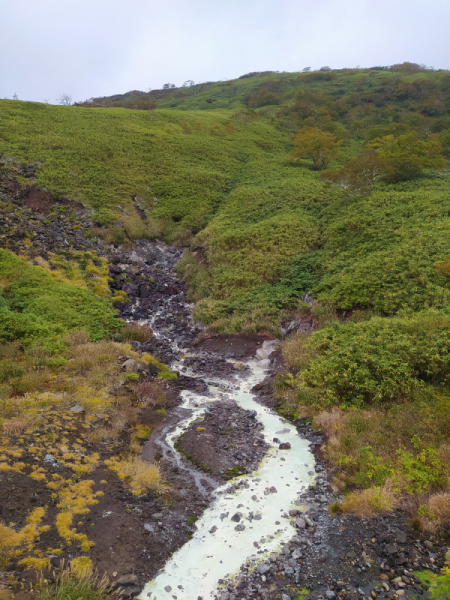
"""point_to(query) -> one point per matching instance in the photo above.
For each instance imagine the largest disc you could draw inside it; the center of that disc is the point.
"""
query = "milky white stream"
(217, 549)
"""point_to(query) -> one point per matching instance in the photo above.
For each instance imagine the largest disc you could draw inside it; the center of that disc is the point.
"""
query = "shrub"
(135, 332)
(378, 360)
(150, 393)
(369, 502)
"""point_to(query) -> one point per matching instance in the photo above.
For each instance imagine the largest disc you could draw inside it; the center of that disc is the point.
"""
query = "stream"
(246, 519)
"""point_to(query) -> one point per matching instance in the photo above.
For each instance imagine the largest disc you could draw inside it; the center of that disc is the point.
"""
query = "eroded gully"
(243, 522)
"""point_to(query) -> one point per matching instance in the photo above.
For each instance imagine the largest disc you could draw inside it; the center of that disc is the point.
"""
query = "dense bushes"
(377, 360)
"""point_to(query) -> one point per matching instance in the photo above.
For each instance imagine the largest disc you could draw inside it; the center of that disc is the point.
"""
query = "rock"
(391, 548)
(168, 588)
(428, 545)
(265, 363)
(308, 521)
(285, 597)
(49, 458)
(236, 517)
(239, 366)
(263, 568)
(330, 594)
(128, 579)
(77, 409)
(127, 586)
(400, 536)
(131, 366)
(240, 527)
(293, 512)
(300, 523)
(285, 446)
(152, 369)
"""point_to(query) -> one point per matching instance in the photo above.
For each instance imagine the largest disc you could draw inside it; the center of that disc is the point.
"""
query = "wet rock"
(127, 586)
(236, 517)
(239, 366)
(240, 527)
(293, 512)
(285, 446)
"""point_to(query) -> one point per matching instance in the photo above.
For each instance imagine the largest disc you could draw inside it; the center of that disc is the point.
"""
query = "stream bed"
(246, 518)
(246, 514)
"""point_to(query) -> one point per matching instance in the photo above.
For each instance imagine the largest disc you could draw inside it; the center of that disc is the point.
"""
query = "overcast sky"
(87, 48)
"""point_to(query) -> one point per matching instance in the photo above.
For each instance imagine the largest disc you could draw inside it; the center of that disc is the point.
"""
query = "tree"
(359, 174)
(169, 86)
(306, 70)
(320, 146)
(408, 155)
(65, 99)
(15, 96)
(188, 83)
(325, 69)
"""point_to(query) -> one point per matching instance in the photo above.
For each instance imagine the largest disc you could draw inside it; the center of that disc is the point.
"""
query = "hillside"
(313, 206)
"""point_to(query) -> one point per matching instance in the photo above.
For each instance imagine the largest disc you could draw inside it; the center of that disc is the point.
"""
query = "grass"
(75, 582)
(36, 421)
(36, 306)
(207, 167)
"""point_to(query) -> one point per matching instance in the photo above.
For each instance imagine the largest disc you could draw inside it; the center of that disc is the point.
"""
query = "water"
(217, 550)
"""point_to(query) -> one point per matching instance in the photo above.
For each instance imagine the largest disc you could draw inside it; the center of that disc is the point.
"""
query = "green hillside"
(335, 183)
(217, 176)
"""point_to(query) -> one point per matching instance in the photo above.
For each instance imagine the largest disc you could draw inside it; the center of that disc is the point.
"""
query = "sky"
(89, 48)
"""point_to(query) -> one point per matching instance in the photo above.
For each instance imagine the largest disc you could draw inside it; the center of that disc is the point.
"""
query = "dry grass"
(294, 351)
(136, 332)
(331, 421)
(141, 476)
(14, 426)
(87, 356)
(435, 514)
(150, 393)
(369, 502)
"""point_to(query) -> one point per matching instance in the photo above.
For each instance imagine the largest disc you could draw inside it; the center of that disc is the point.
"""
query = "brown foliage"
(135, 332)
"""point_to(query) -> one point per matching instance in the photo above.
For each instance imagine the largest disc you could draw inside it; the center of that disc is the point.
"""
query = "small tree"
(169, 86)
(15, 96)
(306, 70)
(188, 83)
(358, 175)
(65, 99)
(408, 155)
(320, 146)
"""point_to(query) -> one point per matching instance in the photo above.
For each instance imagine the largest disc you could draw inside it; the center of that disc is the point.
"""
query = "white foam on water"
(194, 570)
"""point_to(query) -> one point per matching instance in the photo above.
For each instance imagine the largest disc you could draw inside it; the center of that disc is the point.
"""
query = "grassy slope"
(262, 231)
(35, 307)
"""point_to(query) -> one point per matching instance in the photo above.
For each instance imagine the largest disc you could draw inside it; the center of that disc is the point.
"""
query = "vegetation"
(35, 306)
(234, 171)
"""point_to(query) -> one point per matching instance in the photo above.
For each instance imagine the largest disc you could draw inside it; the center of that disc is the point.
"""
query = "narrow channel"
(247, 518)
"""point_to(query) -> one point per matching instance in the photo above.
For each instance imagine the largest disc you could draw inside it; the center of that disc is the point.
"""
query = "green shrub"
(378, 360)
(36, 306)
